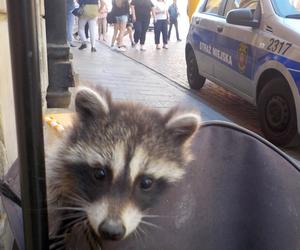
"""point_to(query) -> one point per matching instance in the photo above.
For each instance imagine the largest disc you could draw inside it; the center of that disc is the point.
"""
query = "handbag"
(91, 10)
(78, 11)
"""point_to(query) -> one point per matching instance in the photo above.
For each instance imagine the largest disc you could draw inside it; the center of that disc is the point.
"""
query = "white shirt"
(160, 10)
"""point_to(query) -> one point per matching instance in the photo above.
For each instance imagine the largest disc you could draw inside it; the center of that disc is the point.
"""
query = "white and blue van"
(251, 47)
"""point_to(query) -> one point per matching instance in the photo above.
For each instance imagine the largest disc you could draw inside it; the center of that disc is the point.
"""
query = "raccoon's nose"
(112, 229)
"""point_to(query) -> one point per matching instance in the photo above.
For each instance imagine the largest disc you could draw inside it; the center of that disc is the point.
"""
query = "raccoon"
(112, 166)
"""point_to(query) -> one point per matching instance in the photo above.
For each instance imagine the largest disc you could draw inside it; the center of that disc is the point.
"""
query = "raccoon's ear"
(182, 125)
(89, 103)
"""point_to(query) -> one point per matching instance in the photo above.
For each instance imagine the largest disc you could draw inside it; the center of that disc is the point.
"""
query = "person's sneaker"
(72, 44)
(165, 47)
(76, 36)
(93, 49)
(83, 46)
(121, 49)
(133, 45)
(142, 48)
(179, 40)
(157, 47)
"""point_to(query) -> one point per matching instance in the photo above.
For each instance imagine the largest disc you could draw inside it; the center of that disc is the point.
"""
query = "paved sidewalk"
(129, 80)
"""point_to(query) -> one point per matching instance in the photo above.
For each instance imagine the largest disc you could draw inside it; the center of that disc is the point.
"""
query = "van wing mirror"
(243, 16)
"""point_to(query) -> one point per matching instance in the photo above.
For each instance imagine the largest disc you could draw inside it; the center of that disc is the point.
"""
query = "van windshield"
(287, 8)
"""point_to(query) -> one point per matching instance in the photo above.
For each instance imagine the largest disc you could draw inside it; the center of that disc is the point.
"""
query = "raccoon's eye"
(100, 173)
(146, 183)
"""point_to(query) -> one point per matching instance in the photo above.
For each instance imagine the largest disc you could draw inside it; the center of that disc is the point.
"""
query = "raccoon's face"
(117, 160)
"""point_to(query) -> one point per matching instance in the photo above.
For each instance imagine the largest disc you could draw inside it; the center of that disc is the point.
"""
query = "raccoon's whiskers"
(142, 230)
(91, 238)
(72, 216)
(71, 208)
(150, 224)
(77, 198)
(74, 222)
(153, 216)
(58, 245)
(138, 235)
(149, 215)
(61, 236)
(62, 247)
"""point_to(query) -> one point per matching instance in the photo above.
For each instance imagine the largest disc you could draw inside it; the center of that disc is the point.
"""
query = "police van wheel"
(277, 113)
(196, 81)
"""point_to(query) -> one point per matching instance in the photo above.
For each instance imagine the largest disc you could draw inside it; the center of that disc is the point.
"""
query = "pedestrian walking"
(129, 31)
(173, 15)
(70, 22)
(141, 14)
(102, 21)
(161, 23)
(89, 16)
(120, 10)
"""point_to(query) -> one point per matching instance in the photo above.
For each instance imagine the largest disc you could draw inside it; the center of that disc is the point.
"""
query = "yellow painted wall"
(192, 4)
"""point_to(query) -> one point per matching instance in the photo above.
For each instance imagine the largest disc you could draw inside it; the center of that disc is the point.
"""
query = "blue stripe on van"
(256, 57)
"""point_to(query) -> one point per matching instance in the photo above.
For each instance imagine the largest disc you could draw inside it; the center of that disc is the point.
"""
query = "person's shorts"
(122, 19)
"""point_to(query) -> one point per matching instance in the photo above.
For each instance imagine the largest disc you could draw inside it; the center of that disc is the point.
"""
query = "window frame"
(277, 9)
(222, 5)
(258, 2)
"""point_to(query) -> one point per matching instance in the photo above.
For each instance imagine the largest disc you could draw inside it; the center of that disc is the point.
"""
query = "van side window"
(236, 4)
(212, 6)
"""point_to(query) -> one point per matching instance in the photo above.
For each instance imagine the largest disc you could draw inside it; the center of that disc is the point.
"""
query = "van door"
(203, 34)
(235, 50)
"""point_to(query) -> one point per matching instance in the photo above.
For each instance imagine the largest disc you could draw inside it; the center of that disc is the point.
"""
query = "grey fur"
(101, 124)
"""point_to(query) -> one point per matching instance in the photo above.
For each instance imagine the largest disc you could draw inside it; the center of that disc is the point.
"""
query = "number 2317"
(279, 47)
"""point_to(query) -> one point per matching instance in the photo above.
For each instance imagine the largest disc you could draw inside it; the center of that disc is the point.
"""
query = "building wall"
(6, 95)
(8, 139)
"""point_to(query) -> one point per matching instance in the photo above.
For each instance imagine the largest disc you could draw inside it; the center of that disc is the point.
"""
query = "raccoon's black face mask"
(116, 161)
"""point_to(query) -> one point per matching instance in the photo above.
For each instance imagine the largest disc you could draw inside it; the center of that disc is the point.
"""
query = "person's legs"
(129, 31)
(86, 30)
(122, 20)
(157, 30)
(177, 32)
(144, 28)
(75, 29)
(70, 23)
(164, 30)
(92, 27)
(104, 28)
(137, 31)
(116, 29)
(70, 18)
(170, 29)
(81, 23)
(100, 28)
